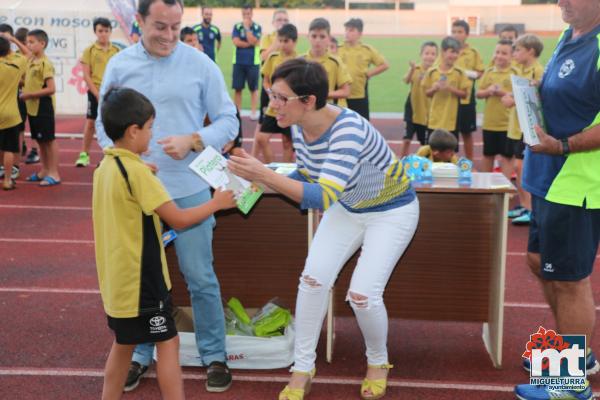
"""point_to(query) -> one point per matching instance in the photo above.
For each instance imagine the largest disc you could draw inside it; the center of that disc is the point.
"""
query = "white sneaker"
(254, 117)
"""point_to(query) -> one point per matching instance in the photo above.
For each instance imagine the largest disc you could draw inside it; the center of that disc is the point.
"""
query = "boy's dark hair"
(288, 31)
(505, 42)
(40, 35)
(441, 140)
(429, 44)
(333, 40)
(247, 7)
(144, 5)
(355, 23)
(4, 46)
(6, 28)
(462, 24)
(450, 43)
(319, 24)
(305, 78)
(102, 22)
(186, 30)
(123, 107)
(510, 28)
(21, 34)
(531, 42)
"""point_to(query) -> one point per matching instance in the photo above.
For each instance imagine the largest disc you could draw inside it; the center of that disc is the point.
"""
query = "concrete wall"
(429, 18)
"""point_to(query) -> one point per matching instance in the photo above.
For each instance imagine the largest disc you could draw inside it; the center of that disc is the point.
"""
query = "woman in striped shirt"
(346, 169)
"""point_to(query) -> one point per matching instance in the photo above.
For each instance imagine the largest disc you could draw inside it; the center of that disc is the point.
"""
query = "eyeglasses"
(281, 99)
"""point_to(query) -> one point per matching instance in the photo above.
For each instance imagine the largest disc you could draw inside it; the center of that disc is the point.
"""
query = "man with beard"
(208, 34)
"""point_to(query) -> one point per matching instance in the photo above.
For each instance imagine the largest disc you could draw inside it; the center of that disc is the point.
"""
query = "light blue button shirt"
(183, 87)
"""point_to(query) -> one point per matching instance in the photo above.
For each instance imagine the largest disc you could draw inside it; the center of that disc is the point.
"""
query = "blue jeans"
(194, 252)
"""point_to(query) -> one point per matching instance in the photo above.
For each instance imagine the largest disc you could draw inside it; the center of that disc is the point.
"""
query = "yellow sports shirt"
(96, 58)
(419, 101)
(495, 114)
(11, 70)
(271, 63)
(337, 73)
(444, 105)
(533, 73)
(130, 258)
(357, 59)
(39, 70)
(469, 59)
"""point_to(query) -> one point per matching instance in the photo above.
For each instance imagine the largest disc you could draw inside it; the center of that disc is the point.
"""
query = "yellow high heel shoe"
(298, 394)
(377, 387)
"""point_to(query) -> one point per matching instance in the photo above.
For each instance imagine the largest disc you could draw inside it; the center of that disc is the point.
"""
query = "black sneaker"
(33, 157)
(136, 370)
(218, 377)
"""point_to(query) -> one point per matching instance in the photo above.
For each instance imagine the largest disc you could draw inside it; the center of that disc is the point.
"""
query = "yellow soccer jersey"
(533, 73)
(419, 101)
(11, 70)
(337, 73)
(444, 105)
(130, 258)
(96, 58)
(357, 59)
(495, 115)
(275, 59)
(469, 59)
(39, 70)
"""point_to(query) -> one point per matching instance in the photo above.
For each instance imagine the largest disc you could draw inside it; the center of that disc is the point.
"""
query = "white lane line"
(531, 305)
(98, 373)
(54, 208)
(44, 241)
(48, 290)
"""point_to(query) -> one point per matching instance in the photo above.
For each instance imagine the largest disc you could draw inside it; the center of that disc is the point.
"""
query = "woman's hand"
(248, 167)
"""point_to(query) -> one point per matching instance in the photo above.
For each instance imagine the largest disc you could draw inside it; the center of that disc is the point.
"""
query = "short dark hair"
(40, 35)
(305, 78)
(186, 30)
(21, 34)
(531, 42)
(429, 43)
(441, 140)
(450, 43)
(4, 46)
(6, 28)
(319, 24)
(246, 7)
(462, 24)
(505, 42)
(123, 107)
(510, 28)
(102, 22)
(288, 31)
(356, 23)
(144, 5)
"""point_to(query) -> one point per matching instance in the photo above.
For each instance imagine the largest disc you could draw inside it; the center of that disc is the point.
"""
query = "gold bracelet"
(197, 144)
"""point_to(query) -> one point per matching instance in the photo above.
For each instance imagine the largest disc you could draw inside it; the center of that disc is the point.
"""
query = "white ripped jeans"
(384, 237)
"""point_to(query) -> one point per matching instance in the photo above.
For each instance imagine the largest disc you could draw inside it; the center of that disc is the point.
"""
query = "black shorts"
(42, 128)
(264, 104)
(269, 125)
(566, 237)
(9, 139)
(516, 148)
(494, 143)
(361, 106)
(23, 112)
(467, 116)
(147, 328)
(243, 74)
(92, 106)
(419, 130)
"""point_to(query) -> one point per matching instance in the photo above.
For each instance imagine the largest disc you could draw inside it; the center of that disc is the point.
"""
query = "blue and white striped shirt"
(350, 163)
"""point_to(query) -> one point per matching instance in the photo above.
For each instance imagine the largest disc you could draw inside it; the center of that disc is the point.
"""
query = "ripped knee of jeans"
(310, 284)
(357, 301)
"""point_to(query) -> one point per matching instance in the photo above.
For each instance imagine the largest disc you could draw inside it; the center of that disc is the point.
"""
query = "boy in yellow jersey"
(358, 57)
(445, 84)
(16, 58)
(495, 84)
(93, 62)
(337, 74)
(128, 203)
(470, 61)
(287, 37)
(441, 147)
(38, 93)
(528, 49)
(510, 33)
(11, 71)
(416, 108)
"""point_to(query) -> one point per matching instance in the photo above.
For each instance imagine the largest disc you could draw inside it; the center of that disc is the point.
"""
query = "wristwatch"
(565, 146)
(197, 143)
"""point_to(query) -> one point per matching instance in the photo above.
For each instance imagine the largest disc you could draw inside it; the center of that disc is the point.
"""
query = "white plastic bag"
(244, 352)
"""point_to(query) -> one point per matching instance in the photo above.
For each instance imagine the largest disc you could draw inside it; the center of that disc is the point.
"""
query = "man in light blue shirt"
(184, 85)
